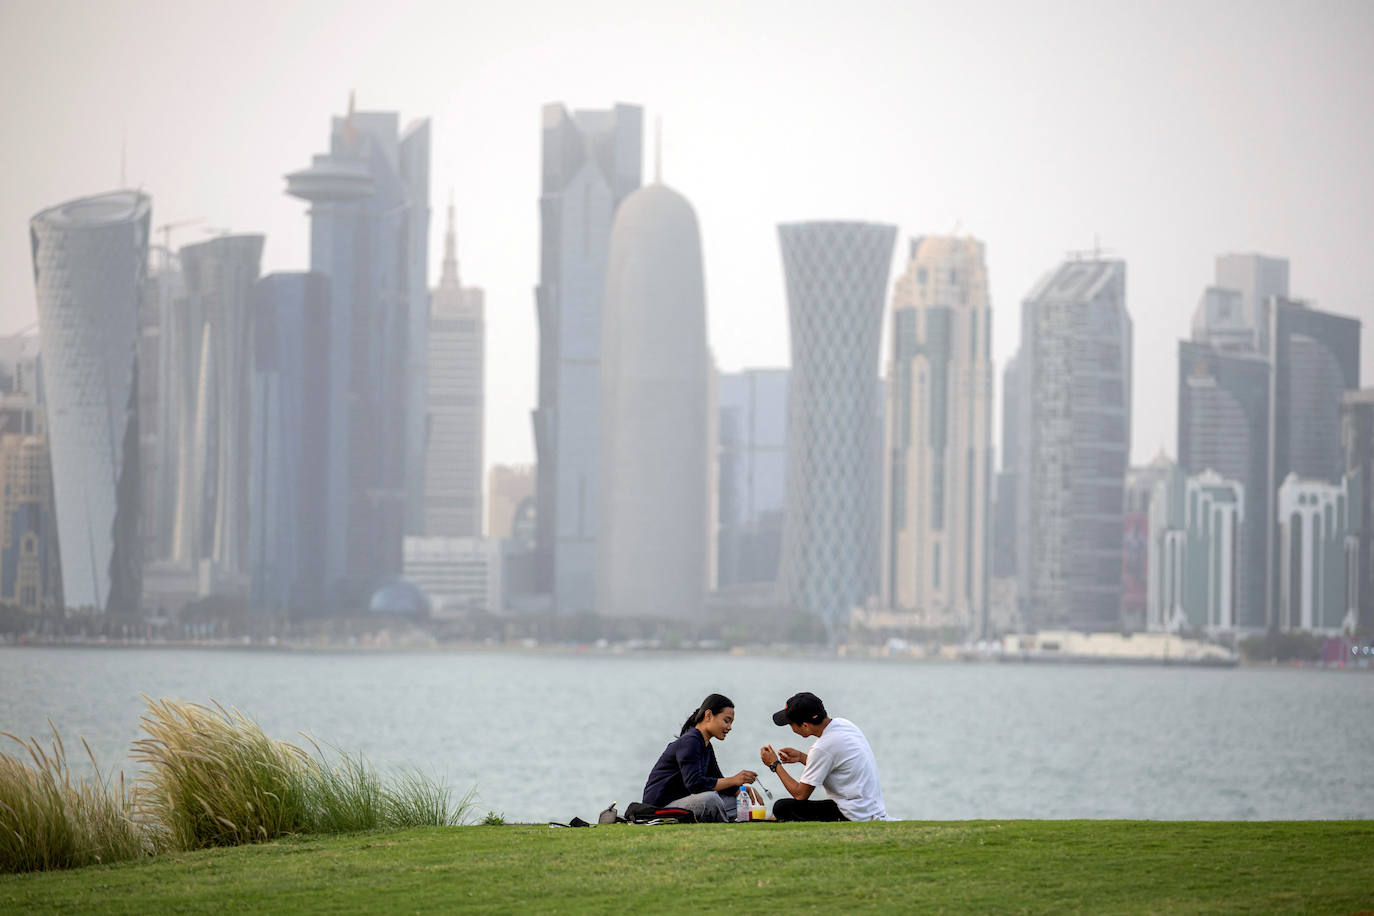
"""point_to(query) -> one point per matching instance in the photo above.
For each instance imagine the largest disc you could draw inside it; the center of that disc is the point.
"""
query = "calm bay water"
(545, 736)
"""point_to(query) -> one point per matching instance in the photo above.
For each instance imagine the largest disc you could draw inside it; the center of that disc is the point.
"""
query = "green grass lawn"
(1032, 866)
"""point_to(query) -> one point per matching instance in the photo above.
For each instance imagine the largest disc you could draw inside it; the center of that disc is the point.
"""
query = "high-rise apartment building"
(30, 576)
(591, 162)
(938, 455)
(1316, 557)
(1357, 433)
(1237, 313)
(1316, 360)
(836, 274)
(1004, 497)
(1259, 395)
(1223, 426)
(213, 329)
(455, 400)
(1193, 546)
(369, 226)
(652, 535)
(1074, 439)
(89, 260)
(1138, 493)
(457, 575)
(752, 446)
(288, 494)
(162, 295)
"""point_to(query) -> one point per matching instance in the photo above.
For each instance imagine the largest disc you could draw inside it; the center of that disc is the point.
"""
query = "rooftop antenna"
(658, 149)
(123, 155)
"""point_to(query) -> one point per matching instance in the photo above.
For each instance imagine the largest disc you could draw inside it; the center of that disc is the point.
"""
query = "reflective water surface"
(545, 736)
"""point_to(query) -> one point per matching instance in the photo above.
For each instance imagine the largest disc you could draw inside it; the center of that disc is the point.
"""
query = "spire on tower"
(658, 149)
(449, 278)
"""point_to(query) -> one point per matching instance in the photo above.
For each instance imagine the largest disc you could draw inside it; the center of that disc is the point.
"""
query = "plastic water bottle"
(742, 805)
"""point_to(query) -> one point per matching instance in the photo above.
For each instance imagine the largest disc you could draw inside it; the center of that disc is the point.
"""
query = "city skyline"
(1219, 152)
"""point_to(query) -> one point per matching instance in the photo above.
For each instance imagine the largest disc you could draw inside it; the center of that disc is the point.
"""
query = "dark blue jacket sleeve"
(695, 766)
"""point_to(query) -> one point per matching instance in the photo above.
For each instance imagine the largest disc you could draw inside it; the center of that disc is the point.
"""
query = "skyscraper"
(1004, 502)
(1259, 396)
(1316, 360)
(30, 575)
(290, 393)
(836, 274)
(1223, 426)
(1074, 434)
(752, 415)
(1236, 313)
(652, 533)
(89, 259)
(456, 399)
(1357, 432)
(214, 329)
(1314, 557)
(938, 457)
(591, 161)
(1194, 523)
(369, 221)
(1138, 493)
(157, 389)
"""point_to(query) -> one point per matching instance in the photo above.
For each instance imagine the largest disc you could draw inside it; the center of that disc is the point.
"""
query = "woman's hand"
(743, 778)
(791, 755)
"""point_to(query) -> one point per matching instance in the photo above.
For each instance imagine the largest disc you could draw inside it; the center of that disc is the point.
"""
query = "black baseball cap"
(800, 708)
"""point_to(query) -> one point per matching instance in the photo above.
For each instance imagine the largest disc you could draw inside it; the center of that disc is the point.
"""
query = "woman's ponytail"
(715, 704)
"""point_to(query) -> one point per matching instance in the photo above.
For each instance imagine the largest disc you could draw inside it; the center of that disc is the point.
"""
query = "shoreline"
(846, 653)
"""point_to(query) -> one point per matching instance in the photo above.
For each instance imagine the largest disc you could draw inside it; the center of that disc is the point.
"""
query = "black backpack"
(640, 813)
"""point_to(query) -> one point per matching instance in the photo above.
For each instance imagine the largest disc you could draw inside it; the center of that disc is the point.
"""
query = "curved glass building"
(836, 275)
(89, 259)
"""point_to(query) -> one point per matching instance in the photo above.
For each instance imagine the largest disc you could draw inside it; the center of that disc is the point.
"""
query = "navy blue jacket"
(686, 766)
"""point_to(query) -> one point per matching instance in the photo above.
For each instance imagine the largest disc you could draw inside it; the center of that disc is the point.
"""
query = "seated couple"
(686, 774)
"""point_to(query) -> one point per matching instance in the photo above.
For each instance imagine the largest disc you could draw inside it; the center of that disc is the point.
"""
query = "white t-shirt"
(842, 763)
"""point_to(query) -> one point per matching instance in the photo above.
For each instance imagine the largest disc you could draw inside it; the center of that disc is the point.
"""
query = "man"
(841, 761)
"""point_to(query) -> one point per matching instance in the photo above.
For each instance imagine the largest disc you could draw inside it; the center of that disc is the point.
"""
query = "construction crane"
(166, 230)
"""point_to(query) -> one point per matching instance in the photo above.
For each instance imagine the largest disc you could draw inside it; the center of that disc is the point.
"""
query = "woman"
(687, 775)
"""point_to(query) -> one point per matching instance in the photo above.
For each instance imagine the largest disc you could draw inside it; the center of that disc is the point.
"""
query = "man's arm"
(798, 790)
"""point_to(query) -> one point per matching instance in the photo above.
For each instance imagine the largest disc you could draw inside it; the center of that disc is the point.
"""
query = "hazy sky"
(1169, 132)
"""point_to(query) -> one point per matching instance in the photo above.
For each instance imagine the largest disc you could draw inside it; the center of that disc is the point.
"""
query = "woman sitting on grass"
(687, 775)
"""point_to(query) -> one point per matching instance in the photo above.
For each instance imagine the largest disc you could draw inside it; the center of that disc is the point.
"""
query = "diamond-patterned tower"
(89, 258)
(836, 275)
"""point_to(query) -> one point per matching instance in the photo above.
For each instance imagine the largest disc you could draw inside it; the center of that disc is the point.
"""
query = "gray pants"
(707, 807)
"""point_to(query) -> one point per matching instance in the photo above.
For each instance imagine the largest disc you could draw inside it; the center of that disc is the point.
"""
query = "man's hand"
(743, 778)
(769, 756)
(791, 755)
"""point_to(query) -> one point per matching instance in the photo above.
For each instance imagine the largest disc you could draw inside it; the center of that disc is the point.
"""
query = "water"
(545, 736)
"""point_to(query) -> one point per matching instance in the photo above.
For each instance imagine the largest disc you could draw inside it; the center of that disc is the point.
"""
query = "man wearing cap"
(841, 761)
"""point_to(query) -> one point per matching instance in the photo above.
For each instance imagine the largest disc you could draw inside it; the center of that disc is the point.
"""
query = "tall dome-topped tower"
(654, 366)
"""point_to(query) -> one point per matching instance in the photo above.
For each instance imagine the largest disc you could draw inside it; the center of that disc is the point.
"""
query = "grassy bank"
(210, 777)
(1039, 866)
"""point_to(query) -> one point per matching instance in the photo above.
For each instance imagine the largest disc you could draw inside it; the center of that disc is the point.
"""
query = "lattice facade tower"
(836, 274)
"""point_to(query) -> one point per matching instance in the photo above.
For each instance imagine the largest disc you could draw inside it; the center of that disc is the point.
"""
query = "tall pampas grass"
(48, 821)
(213, 778)
(210, 777)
